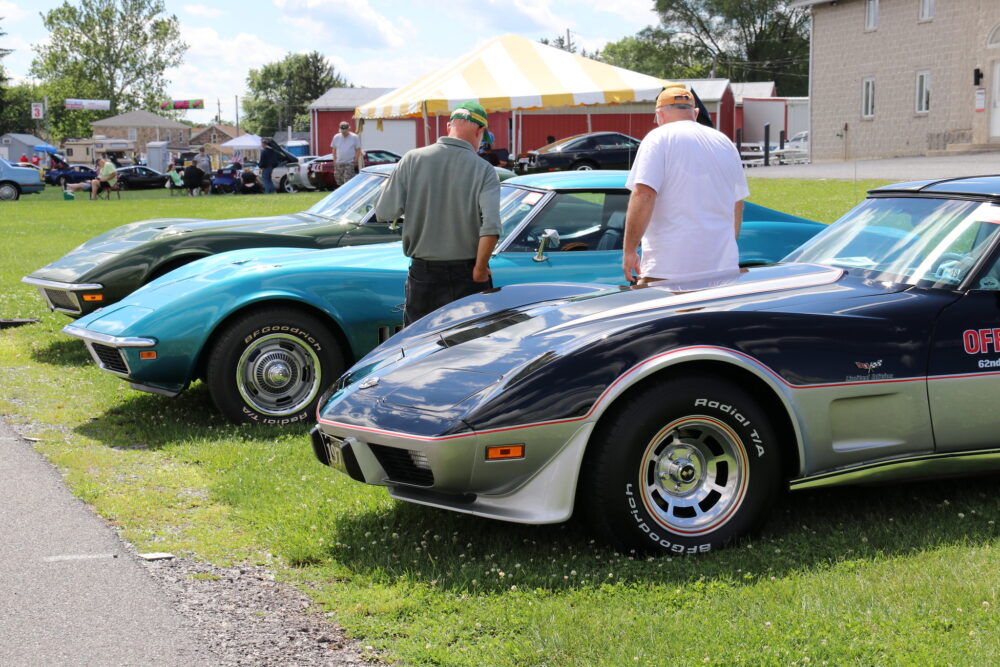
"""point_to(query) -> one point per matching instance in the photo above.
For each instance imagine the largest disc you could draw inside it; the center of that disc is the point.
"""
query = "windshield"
(907, 240)
(515, 204)
(352, 201)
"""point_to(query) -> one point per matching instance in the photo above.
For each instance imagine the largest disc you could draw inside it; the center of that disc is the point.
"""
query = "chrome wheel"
(583, 166)
(693, 475)
(9, 192)
(278, 375)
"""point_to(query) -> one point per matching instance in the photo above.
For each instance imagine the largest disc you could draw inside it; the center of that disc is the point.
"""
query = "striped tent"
(512, 73)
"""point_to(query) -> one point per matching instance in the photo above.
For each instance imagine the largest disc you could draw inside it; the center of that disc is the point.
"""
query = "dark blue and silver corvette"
(672, 417)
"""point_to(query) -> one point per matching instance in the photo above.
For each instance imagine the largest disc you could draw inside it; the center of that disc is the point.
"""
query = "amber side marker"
(502, 452)
(147, 354)
(93, 297)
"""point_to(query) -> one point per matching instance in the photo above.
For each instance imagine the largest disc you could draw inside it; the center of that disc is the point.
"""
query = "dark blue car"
(63, 173)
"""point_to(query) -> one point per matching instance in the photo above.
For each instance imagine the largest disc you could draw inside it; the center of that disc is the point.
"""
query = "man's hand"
(630, 265)
(481, 273)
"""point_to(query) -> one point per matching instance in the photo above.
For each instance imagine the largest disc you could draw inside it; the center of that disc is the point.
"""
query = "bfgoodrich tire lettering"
(270, 367)
(684, 467)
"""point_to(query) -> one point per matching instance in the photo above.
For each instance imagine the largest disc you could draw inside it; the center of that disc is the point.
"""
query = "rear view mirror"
(550, 238)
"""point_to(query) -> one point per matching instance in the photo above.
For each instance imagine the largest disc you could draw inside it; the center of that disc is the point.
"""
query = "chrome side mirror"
(550, 237)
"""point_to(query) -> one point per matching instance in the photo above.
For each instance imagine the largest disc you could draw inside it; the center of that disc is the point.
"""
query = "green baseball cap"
(472, 111)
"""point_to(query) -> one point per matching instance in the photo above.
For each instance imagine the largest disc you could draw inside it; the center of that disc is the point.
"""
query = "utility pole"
(236, 101)
(218, 113)
(569, 42)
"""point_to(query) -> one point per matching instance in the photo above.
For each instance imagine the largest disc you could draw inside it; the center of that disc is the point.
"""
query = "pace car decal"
(870, 367)
(981, 341)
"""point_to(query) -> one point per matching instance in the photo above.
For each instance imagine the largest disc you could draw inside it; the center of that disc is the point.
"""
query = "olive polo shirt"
(450, 197)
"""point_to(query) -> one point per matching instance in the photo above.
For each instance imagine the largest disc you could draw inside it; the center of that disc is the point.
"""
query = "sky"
(377, 43)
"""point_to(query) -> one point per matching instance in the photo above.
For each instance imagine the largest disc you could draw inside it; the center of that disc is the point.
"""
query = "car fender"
(696, 354)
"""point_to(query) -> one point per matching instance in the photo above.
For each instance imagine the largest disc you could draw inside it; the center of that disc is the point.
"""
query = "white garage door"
(397, 136)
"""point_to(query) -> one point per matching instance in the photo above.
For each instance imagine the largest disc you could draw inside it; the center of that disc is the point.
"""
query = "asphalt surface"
(893, 169)
(71, 592)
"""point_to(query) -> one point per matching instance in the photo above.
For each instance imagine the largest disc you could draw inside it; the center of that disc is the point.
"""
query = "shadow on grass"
(69, 352)
(809, 530)
(146, 421)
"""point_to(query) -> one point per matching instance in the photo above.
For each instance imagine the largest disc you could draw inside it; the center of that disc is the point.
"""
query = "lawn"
(900, 575)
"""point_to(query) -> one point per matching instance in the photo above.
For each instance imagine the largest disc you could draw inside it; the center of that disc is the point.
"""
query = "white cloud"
(215, 69)
(633, 11)
(202, 10)
(522, 17)
(11, 13)
(392, 72)
(346, 23)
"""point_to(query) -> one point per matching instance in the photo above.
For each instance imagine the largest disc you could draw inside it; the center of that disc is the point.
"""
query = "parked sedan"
(70, 173)
(110, 266)
(320, 172)
(581, 152)
(15, 181)
(140, 178)
(270, 328)
(672, 419)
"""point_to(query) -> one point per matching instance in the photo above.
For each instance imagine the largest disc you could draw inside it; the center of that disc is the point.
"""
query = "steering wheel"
(575, 245)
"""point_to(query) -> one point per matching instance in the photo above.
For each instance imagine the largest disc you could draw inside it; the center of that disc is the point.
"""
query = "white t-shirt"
(345, 146)
(698, 178)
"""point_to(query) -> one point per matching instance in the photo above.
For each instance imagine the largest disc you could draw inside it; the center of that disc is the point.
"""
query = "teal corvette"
(270, 328)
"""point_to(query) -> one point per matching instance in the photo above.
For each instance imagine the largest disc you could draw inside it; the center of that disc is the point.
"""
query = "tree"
(15, 108)
(566, 44)
(3, 75)
(116, 50)
(281, 92)
(658, 52)
(746, 40)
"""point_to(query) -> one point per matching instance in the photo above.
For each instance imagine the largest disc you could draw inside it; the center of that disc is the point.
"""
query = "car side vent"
(485, 330)
(384, 333)
(111, 358)
(403, 465)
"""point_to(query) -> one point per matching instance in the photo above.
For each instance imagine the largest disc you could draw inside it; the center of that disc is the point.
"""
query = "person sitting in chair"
(193, 177)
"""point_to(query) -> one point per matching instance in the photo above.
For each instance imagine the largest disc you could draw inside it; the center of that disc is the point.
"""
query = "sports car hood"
(440, 368)
(76, 264)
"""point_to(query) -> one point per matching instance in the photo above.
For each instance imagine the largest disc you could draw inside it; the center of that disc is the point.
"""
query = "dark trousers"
(432, 284)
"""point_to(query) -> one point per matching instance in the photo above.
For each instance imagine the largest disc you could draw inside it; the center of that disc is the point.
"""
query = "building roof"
(752, 89)
(709, 90)
(347, 99)
(139, 119)
(228, 130)
(24, 138)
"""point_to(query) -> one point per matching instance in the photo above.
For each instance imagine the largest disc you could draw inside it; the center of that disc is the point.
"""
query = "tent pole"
(427, 129)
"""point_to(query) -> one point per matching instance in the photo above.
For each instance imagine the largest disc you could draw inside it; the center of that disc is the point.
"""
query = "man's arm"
(640, 210)
(392, 202)
(738, 217)
(481, 271)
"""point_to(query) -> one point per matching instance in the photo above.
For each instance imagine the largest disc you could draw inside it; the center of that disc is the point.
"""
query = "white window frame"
(133, 134)
(871, 14)
(923, 91)
(926, 10)
(868, 97)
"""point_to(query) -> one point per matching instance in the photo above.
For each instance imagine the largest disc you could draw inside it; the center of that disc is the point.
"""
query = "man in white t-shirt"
(687, 197)
(346, 149)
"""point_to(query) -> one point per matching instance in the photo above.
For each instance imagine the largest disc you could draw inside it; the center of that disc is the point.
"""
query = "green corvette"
(112, 265)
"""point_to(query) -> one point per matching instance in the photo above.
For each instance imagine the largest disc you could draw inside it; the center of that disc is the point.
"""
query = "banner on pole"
(183, 104)
(37, 110)
(88, 105)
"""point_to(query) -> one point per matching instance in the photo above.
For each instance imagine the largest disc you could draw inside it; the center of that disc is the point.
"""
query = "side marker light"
(147, 354)
(93, 297)
(504, 452)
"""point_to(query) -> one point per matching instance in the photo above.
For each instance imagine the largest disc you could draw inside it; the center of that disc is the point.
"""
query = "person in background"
(268, 161)
(550, 139)
(174, 180)
(107, 177)
(193, 177)
(686, 205)
(203, 161)
(24, 159)
(35, 160)
(451, 199)
(346, 149)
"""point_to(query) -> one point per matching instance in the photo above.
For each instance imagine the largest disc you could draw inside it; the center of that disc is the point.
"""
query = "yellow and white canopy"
(512, 72)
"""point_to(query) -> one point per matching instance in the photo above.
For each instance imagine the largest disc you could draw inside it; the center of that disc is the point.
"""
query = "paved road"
(70, 591)
(894, 169)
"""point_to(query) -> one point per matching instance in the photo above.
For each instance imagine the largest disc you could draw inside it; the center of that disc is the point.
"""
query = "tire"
(270, 367)
(583, 166)
(687, 466)
(286, 186)
(9, 192)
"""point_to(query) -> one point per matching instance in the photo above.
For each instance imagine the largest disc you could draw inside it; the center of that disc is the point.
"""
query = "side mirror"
(550, 237)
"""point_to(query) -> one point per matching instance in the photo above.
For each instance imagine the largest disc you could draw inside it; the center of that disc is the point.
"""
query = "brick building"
(903, 77)
(141, 127)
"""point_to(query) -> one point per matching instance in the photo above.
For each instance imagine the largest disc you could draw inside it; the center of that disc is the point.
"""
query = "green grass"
(900, 575)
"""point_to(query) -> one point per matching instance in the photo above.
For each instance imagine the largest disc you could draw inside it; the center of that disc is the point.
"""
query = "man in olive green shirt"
(107, 177)
(451, 199)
